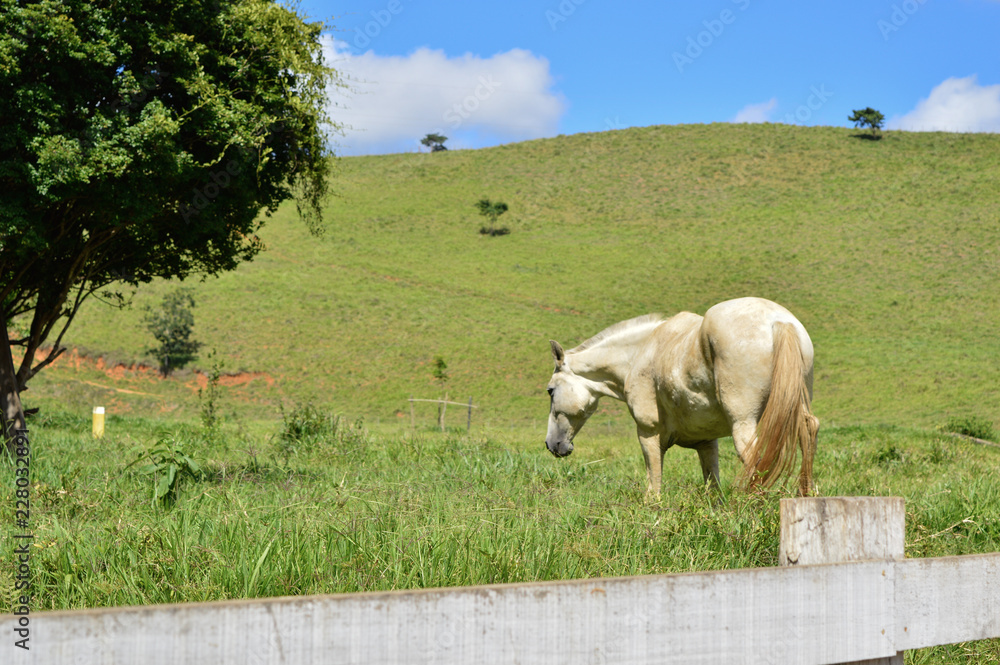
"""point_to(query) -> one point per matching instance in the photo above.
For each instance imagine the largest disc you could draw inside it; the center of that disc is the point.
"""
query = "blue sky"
(491, 73)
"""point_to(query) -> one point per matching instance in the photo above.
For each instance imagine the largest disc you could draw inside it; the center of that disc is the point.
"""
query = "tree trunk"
(10, 399)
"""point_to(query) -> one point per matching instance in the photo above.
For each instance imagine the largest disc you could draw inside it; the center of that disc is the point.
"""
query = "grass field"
(888, 251)
(348, 509)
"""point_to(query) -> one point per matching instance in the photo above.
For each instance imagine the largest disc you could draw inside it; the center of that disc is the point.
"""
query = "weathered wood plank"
(838, 529)
(806, 615)
(947, 600)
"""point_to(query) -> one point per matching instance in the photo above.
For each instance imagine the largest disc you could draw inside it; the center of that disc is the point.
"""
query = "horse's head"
(572, 404)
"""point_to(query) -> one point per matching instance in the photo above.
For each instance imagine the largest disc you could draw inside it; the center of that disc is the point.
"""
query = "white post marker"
(98, 422)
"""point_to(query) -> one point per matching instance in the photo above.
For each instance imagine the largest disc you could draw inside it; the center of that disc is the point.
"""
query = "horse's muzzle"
(560, 448)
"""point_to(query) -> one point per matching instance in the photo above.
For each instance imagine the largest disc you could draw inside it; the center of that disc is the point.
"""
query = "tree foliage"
(440, 370)
(868, 117)
(143, 139)
(435, 142)
(492, 210)
(172, 326)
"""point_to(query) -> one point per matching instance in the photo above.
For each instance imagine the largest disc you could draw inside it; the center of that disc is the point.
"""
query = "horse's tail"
(787, 422)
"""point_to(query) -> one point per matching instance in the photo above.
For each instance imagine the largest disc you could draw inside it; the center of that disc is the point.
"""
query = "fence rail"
(445, 401)
(442, 404)
(804, 614)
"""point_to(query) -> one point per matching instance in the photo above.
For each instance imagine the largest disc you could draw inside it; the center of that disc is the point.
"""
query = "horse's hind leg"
(807, 486)
(744, 433)
(744, 437)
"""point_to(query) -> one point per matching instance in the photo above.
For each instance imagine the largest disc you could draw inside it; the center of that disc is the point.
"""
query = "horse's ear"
(557, 353)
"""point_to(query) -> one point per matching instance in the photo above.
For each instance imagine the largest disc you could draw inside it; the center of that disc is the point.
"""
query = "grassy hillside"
(888, 251)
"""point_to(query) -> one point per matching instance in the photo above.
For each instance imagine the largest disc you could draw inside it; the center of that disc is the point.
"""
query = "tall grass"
(363, 511)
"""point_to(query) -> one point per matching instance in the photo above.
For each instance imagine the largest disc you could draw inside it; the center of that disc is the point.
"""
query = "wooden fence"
(442, 405)
(801, 613)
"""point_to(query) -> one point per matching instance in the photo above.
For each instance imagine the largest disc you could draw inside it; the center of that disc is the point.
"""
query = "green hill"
(888, 251)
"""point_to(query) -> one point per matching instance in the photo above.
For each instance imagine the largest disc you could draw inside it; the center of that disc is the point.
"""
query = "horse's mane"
(616, 329)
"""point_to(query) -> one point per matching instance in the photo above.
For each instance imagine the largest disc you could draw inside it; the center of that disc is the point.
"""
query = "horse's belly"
(695, 417)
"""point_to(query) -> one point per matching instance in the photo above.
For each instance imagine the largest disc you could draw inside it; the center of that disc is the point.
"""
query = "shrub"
(889, 454)
(974, 426)
(492, 210)
(168, 465)
(209, 398)
(307, 425)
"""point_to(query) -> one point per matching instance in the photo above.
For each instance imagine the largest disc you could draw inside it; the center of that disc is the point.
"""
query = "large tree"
(143, 139)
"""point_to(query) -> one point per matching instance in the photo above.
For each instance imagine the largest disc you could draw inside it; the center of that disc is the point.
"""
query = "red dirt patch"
(119, 371)
(237, 379)
(73, 358)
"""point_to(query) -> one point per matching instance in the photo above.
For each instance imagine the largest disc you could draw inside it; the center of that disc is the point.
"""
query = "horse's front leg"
(652, 452)
(643, 406)
(708, 455)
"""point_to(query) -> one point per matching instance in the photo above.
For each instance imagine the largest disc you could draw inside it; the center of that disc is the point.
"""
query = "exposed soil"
(194, 379)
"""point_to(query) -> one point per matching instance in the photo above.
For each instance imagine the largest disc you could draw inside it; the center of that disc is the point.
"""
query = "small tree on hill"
(435, 142)
(492, 210)
(171, 326)
(868, 117)
(441, 376)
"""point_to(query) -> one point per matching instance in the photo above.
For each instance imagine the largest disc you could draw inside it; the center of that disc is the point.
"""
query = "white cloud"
(956, 105)
(756, 112)
(475, 101)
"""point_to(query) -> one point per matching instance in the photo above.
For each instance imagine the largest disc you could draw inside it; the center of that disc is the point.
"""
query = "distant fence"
(442, 404)
(803, 614)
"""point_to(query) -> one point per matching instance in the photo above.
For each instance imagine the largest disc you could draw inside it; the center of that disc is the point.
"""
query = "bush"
(209, 398)
(492, 210)
(169, 463)
(974, 426)
(307, 426)
(889, 454)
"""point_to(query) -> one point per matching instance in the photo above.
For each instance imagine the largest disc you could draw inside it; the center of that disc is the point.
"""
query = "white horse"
(744, 369)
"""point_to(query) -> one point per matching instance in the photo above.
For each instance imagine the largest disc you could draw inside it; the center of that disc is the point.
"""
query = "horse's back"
(672, 379)
(746, 325)
(710, 371)
(674, 346)
(741, 335)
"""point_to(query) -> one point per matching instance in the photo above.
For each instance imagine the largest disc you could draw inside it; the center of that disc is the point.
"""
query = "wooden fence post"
(413, 418)
(442, 405)
(840, 530)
